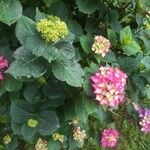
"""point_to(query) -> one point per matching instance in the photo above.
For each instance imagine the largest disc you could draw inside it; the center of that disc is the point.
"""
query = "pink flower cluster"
(101, 45)
(144, 114)
(3, 65)
(109, 138)
(109, 86)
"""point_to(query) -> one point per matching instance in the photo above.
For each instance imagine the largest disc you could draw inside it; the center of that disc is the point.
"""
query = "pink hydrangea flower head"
(144, 115)
(3, 62)
(101, 45)
(109, 86)
(109, 138)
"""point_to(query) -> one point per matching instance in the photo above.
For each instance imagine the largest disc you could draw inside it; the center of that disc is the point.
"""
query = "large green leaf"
(26, 65)
(49, 2)
(53, 145)
(112, 36)
(20, 111)
(131, 49)
(128, 64)
(88, 6)
(146, 62)
(61, 50)
(86, 42)
(31, 93)
(27, 132)
(59, 9)
(126, 36)
(129, 46)
(55, 95)
(72, 74)
(84, 107)
(75, 28)
(25, 27)
(10, 11)
(39, 15)
(40, 47)
(10, 84)
(48, 123)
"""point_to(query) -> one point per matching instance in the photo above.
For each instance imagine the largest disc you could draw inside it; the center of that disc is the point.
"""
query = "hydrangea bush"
(74, 74)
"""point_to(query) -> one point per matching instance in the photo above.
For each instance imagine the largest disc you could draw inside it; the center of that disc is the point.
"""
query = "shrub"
(74, 74)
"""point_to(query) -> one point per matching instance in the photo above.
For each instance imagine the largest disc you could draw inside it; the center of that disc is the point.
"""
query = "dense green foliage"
(47, 84)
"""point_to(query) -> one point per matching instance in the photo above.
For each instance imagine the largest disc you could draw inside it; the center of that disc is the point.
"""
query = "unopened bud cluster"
(32, 123)
(52, 28)
(58, 137)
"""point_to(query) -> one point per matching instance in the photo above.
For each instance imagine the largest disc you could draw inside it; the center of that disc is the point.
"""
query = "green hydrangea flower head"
(58, 137)
(32, 123)
(52, 28)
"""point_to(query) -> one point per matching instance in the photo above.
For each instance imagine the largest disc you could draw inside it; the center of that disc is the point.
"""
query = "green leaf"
(128, 64)
(26, 65)
(72, 74)
(146, 62)
(48, 123)
(53, 145)
(126, 36)
(31, 93)
(40, 47)
(25, 27)
(39, 15)
(12, 145)
(27, 132)
(131, 49)
(49, 2)
(86, 42)
(10, 11)
(110, 57)
(104, 117)
(61, 50)
(5, 51)
(55, 95)
(147, 91)
(111, 36)
(84, 107)
(87, 6)
(19, 111)
(10, 84)
(59, 9)
(75, 28)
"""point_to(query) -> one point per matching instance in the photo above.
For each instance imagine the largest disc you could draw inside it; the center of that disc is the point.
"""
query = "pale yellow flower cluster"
(101, 45)
(7, 139)
(41, 144)
(78, 134)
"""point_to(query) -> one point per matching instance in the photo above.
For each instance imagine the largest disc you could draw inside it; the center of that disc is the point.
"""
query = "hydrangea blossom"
(3, 65)
(52, 28)
(144, 115)
(3, 62)
(41, 144)
(109, 86)
(78, 134)
(109, 138)
(101, 45)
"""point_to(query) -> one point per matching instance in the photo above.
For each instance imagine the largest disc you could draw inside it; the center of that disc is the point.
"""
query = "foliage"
(47, 89)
